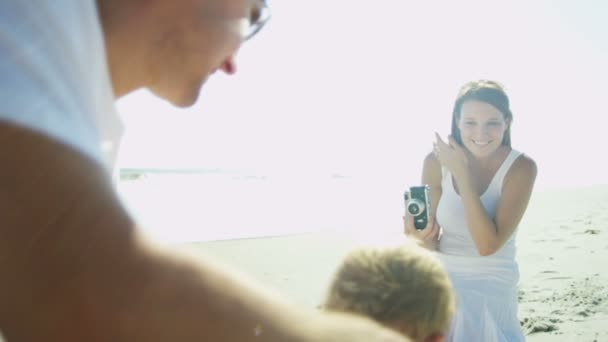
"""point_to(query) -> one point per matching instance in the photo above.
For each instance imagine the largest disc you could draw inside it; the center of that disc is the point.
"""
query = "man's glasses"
(258, 19)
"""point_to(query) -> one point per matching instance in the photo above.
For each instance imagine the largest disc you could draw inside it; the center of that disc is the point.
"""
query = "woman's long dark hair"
(484, 91)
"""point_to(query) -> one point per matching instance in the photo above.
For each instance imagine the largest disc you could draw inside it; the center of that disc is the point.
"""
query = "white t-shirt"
(54, 76)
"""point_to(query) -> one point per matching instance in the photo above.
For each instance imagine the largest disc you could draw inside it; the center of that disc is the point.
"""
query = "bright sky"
(358, 87)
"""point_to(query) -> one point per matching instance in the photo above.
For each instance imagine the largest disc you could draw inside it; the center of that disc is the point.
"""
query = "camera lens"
(415, 207)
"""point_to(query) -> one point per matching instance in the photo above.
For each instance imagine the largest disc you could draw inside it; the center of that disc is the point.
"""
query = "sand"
(562, 251)
(562, 246)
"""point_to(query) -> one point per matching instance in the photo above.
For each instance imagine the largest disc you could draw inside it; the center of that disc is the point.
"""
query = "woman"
(480, 188)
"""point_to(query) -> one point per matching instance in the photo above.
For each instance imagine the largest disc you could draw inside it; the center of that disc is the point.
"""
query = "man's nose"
(229, 66)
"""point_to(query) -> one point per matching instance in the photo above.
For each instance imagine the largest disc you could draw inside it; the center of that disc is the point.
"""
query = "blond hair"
(402, 286)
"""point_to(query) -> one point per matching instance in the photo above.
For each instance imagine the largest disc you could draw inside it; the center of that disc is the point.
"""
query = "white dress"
(485, 286)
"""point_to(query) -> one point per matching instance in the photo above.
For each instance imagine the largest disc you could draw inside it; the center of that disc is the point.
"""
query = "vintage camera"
(418, 204)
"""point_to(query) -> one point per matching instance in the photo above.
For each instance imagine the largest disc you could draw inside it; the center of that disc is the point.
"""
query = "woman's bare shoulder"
(524, 167)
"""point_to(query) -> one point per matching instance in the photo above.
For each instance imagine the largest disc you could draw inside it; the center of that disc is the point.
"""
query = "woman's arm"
(431, 175)
(490, 235)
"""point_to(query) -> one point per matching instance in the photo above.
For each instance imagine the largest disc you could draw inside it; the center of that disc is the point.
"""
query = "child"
(404, 288)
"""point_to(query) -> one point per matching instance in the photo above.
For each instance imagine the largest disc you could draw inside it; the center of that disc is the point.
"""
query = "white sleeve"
(54, 77)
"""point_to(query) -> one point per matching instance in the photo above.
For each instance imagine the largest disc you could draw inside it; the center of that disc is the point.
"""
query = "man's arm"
(72, 267)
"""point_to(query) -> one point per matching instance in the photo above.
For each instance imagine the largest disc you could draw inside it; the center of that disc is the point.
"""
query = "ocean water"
(218, 205)
(180, 206)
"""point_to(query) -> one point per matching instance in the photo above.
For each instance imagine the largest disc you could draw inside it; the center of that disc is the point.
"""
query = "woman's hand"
(452, 156)
(429, 235)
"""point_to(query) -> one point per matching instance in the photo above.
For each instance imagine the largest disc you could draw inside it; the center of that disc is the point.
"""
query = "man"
(72, 266)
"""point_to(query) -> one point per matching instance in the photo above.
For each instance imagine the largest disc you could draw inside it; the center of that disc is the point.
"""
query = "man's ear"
(435, 338)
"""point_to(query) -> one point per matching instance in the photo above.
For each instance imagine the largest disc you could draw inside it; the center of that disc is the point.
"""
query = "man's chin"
(180, 100)
(184, 102)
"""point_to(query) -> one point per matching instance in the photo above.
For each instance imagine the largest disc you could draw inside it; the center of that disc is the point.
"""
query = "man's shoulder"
(55, 79)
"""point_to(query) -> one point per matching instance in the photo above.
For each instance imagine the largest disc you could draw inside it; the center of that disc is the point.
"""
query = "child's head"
(405, 288)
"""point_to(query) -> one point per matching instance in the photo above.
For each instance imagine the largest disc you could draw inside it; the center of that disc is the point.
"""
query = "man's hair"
(402, 286)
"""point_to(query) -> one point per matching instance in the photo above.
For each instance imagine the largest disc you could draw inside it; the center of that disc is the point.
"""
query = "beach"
(561, 243)
(562, 249)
